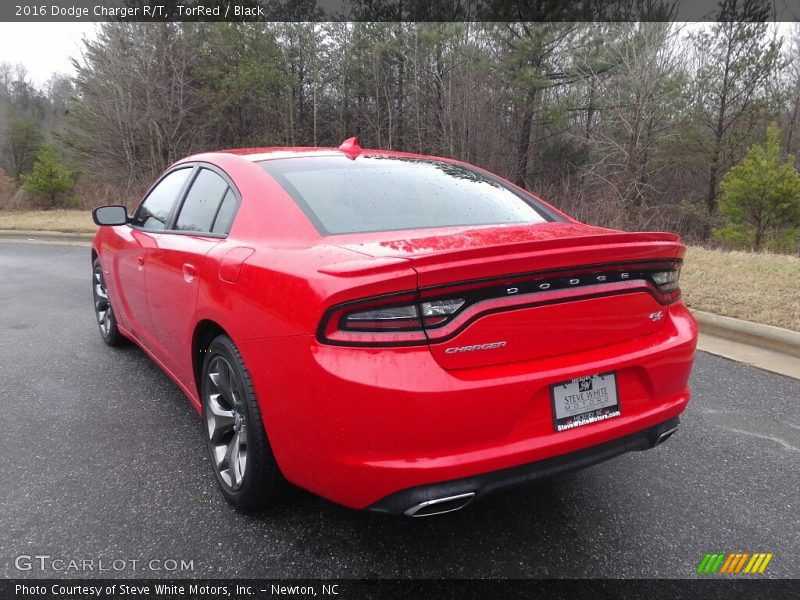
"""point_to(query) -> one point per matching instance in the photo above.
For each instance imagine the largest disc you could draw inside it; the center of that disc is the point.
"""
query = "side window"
(154, 212)
(202, 202)
(227, 210)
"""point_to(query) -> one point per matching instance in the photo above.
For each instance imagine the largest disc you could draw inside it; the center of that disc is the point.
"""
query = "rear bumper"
(424, 500)
(359, 425)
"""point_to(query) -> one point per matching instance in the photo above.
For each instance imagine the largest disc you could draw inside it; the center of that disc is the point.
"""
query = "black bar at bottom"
(345, 589)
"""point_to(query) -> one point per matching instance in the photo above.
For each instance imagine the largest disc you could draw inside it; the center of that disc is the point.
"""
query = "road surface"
(103, 459)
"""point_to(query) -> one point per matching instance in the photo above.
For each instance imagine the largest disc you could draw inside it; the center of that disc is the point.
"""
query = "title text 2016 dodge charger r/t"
(392, 331)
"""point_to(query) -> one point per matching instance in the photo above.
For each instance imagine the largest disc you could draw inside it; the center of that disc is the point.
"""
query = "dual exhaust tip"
(665, 436)
(447, 504)
(440, 506)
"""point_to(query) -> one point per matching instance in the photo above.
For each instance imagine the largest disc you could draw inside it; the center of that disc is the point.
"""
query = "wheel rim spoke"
(219, 455)
(221, 379)
(220, 420)
(241, 463)
(232, 460)
(100, 286)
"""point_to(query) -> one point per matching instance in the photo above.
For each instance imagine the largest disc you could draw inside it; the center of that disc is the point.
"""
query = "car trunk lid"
(533, 291)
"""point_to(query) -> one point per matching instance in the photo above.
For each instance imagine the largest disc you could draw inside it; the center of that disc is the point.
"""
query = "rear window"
(341, 195)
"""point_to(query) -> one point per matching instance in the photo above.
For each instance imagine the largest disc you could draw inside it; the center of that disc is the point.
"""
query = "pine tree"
(762, 192)
(48, 176)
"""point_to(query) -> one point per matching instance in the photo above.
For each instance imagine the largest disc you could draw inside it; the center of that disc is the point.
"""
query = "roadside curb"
(768, 337)
(45, 235)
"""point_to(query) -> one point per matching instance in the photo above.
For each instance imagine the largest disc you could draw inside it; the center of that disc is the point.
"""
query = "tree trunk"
(632, 199)
(758, 238)
(590, 110)
(524, 143)
(400, 91)
(793, 123)
(713, 171)
(439, 93)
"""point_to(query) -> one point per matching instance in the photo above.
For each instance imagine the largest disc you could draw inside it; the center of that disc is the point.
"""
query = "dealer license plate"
(584, 400)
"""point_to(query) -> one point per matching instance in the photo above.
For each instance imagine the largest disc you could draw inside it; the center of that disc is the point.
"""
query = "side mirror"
(110, 215)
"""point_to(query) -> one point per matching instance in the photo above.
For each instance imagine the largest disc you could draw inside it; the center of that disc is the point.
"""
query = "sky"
(43, 48)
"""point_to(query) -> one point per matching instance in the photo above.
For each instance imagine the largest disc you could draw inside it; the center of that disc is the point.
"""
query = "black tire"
(106, 321)
(229, 410)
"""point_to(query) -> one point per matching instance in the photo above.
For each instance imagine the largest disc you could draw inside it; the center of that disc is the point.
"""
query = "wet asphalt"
(103, 460)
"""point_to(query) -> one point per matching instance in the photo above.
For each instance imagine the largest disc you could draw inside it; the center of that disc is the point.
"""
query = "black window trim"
(194, 168)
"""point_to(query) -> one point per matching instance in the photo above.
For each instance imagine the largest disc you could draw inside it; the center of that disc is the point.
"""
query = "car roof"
(278, 152)
(271, 153)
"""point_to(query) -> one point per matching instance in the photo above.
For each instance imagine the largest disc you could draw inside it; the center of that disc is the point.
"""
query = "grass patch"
(68, 221)
(762, 287)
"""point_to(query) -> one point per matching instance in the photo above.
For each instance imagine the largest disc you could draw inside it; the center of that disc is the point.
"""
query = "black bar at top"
(396, 10)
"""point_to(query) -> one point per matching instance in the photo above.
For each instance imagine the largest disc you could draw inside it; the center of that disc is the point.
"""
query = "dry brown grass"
(763, 287)
(69, 221)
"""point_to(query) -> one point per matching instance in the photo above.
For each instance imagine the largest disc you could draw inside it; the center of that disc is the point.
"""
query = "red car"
(391, 331)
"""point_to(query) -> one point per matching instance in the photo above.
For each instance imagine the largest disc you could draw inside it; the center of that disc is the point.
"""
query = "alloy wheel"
(102, 307)
(226, 422)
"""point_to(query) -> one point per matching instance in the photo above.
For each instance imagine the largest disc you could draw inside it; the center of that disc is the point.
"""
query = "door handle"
(140, 260)
(188, 272)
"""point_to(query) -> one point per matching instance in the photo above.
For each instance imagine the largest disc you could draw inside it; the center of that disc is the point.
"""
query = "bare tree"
(737, 57)
(138, 105)
(644, 98)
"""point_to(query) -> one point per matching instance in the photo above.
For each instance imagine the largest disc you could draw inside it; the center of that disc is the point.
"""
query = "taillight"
(384, 321)
(438, 312)
(391, 318)
(401, 318)
(411, 318)
(667, 281)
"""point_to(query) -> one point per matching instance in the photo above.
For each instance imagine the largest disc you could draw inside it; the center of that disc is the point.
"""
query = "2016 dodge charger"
(392, 331)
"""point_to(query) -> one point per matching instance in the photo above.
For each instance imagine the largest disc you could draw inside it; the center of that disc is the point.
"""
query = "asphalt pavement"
(103, 460)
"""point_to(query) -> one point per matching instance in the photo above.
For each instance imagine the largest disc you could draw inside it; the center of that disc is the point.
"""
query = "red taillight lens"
(395, 320)
(385, 321)
(403, 317)
(389, 318)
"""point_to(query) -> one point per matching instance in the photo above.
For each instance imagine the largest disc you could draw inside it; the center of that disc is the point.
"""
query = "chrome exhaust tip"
(440, 506)
(665, 436)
